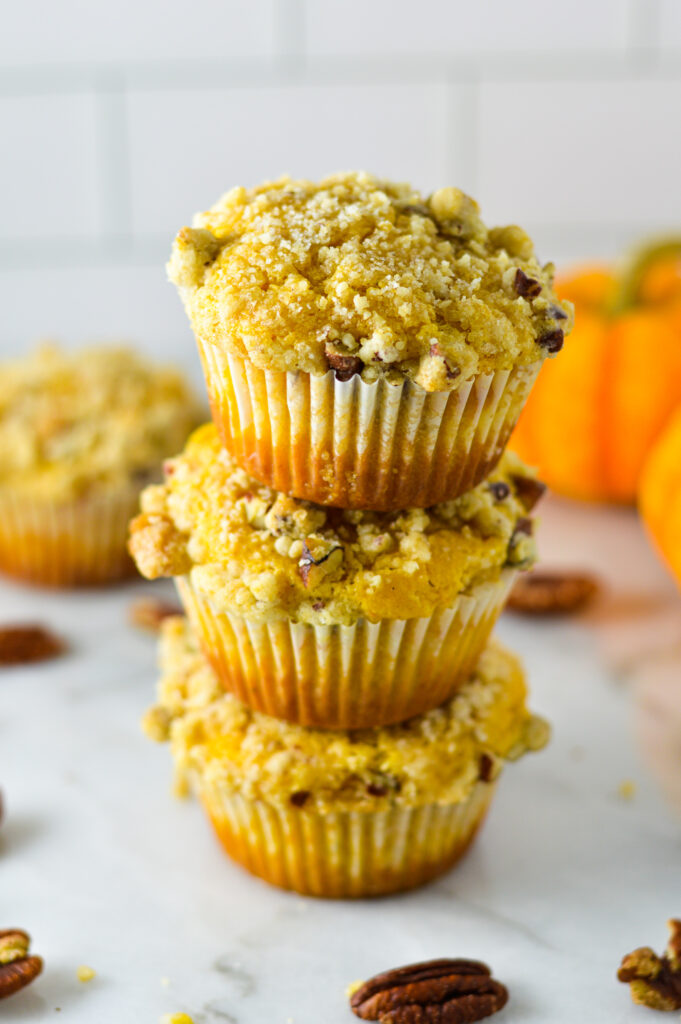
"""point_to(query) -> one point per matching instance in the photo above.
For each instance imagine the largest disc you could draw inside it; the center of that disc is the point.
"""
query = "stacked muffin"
(345, 533)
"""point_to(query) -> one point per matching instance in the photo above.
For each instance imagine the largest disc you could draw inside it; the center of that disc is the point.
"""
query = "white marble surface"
(105, 869)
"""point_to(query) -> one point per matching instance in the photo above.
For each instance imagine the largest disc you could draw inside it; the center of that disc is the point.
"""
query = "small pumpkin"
(595, 412)
(660, 494)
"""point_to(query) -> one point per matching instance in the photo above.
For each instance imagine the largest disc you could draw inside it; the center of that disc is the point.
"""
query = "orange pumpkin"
(596, 410)
(660, 494)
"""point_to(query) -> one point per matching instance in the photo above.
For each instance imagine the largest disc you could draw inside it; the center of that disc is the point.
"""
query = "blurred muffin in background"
(365, 346)
(81, 433)
(341, 814)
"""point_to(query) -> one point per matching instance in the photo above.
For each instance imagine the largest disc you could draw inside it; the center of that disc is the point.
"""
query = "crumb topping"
(436, 757)
(71, 421)
(263, 555)
(366, 276)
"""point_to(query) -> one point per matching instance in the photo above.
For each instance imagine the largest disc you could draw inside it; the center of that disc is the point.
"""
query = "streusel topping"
(299, 276)
(263, 555)
(436, 757)
(100, 417)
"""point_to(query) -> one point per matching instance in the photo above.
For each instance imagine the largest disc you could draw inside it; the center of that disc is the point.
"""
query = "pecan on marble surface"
(149, 612)
(434, 992)
(21, 644)
(552, 592)
(17, 967)
(655, 981)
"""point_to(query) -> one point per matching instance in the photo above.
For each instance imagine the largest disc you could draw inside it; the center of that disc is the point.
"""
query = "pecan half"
(20, 645)
(149, 612)
(526, 287)
(435, 992)
(558, 592)
(344, 365)
(552, 341)
(17, 968)
(529, 490)
(523, 527)
(655, 980)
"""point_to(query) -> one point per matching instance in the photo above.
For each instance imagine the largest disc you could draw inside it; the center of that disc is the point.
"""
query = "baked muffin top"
(433, 758)
(303, 276)
(71, 422)
(263, 555)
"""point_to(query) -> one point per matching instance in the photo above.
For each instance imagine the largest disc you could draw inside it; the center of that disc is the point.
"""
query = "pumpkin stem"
(633, 268)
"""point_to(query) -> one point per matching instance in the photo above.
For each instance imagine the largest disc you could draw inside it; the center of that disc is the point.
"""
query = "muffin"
(364, 347)
(342, 813)
(328, 617)
(80, 435)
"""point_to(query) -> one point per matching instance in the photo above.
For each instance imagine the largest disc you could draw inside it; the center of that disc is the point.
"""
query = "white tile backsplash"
(88, 31)
(461, 27)
(118, 123)
(187, 148)
(606, 153)
(669, 25)
(48, 171)
(83, 305)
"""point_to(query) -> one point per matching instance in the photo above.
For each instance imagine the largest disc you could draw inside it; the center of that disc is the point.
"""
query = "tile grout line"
(291, 61)
(290, 26)
(468, 165)
(644, 36)
(113, 161)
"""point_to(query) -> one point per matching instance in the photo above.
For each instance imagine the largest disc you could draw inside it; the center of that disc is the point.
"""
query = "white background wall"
(118, 121)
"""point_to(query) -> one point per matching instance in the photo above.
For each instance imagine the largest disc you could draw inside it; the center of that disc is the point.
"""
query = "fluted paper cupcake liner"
(77, 542)
(357, 445)
(349, 853)
(347, 677)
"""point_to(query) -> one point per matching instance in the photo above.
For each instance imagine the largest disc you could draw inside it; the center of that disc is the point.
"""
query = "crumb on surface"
(85, 973)
(176, 1018)
(352, 988)
(626, 789)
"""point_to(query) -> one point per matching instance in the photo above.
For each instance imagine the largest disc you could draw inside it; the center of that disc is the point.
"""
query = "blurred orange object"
(597, 409)
(660, 494)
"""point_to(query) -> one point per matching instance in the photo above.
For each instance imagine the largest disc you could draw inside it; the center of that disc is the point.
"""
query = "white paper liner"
(72, 543)
(345, 854)
(347, 677)
(356, 445)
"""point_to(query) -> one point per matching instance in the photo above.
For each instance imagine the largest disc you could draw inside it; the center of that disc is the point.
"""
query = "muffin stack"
(345, 533)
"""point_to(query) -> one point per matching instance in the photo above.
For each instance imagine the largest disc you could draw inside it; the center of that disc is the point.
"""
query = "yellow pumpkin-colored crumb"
(433, 758)
(411, 286)
(263, 555)
(71, 422)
